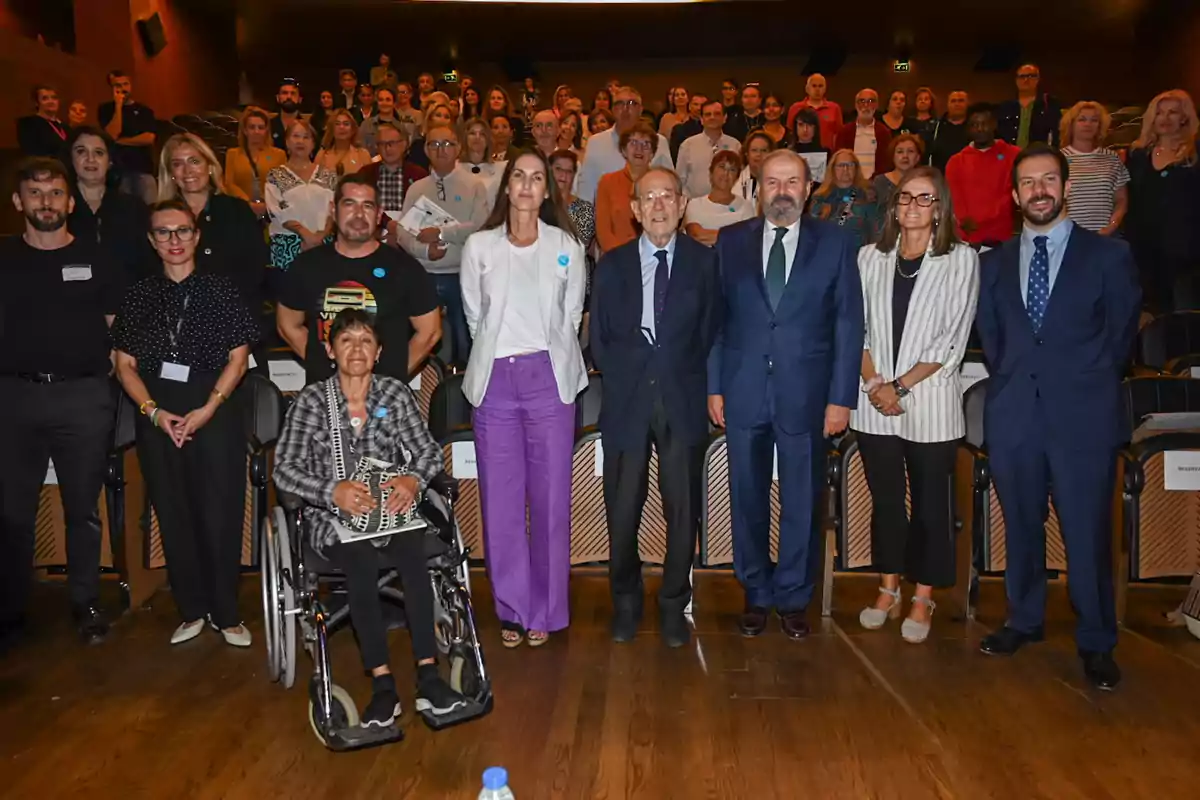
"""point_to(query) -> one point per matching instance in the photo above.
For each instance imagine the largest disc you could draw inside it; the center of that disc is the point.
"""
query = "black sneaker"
(435, 696)
(93, 628)
(382, 711)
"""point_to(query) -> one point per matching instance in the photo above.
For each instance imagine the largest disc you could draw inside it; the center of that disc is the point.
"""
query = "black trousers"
(626, 483)
(921, 549)
(199, 494)
(361, 562)
(71, 423)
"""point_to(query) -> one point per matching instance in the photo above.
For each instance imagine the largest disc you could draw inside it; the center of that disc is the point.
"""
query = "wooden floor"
(845, 714)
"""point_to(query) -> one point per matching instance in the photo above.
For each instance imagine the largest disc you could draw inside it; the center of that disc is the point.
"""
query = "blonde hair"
(300, 122)
(427, 124)
(1066, 128)
(476, 122)
(860, 180)
(251, 112)
(1187, 149)
(331, 123)
(167, 189)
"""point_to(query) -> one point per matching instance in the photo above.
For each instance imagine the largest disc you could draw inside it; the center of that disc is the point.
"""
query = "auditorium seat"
(1165, 340)
(450, 426)
(425, 382)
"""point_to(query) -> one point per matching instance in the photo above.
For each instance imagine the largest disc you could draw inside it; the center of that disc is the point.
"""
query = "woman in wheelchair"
(379, 420)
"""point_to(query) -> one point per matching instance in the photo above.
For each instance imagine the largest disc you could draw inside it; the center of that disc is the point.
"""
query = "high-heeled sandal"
(511, 634)
(915, 632)
(873, 618)
(537, 638)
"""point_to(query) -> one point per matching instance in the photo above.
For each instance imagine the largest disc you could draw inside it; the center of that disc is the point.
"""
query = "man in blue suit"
(655, 314)
(1058, 310)
(783, 375)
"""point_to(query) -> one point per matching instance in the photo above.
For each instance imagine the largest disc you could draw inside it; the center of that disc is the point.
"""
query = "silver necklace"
(900, 272)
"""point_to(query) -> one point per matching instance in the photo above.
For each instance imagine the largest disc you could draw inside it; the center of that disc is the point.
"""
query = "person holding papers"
(358, 271)
(453, 203)
(379, 420)
(182, 340)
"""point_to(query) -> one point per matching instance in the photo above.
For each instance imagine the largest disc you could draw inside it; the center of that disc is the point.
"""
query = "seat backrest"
(445, 349)
(1160, 395)
(1167, 338)
(263, 407)
(587, 404)
(973, 406)
(124, 426)
(448, 408)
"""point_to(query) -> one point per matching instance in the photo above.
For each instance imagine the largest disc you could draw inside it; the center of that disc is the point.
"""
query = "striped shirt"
(1095, 178)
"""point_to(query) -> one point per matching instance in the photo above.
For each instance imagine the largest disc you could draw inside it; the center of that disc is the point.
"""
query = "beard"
(1042, 217)
(781, 208)
(356, 231)
(288, 106)
(46, 224)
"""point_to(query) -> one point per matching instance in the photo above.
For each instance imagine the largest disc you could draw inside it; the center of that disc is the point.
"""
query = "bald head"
(545, 131)
(866, 103)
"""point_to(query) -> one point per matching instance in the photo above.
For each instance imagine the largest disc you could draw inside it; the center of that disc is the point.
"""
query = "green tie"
(776, 269)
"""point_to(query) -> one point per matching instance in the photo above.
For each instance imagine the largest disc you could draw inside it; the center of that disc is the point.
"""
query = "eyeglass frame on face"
(669, 197)
(916, 198)
(163, 235)
(1028, 76)
(639, 143)
(626, 103)
(442, 144)
(867, 101)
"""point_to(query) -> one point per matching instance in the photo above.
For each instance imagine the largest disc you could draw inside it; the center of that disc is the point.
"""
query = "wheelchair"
(292, 576)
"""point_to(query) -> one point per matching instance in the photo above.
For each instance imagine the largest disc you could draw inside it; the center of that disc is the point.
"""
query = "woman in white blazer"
(523, 279)
(920, 288)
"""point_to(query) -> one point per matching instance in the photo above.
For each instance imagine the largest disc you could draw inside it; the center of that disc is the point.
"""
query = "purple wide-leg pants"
(524, 440)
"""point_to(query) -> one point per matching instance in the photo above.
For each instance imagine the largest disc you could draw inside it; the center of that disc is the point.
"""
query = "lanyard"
(173, 333)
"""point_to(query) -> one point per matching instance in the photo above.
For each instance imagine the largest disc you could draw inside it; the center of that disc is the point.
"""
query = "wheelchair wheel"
(345, 713)
(270, 599)
(285, 579)
(464, 674)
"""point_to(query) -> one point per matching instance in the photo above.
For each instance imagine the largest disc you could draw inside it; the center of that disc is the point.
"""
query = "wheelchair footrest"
(357, 738)
(474, 709)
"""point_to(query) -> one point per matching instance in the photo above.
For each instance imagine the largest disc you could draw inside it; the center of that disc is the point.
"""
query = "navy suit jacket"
(1076, 361)
(809, 349)
(621, 351)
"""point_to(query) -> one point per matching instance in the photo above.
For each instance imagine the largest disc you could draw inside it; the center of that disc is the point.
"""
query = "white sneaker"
(187, 631)
(238, 637)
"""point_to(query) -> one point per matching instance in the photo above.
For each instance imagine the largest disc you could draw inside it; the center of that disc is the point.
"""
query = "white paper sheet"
(598, 466)
(287, 374)
(816, 165)
(51, 476)
(425, 213)
(972, 373)
(415, 383)
(1181, 470)
(775, 463)
(462, 461)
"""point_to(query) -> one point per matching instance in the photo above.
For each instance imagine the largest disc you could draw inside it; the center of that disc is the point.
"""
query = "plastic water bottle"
(495, 785)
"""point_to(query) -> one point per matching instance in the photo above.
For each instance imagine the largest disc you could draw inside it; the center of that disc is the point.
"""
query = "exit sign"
(450, 77)
(902, 66)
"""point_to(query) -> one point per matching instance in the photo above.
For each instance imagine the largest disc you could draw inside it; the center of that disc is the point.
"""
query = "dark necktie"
(1037, 293)
(777, 269)
(661, 276)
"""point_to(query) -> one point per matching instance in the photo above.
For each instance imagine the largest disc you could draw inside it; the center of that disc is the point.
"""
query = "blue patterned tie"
(777, 269)
(1037, 293)
(661, 276)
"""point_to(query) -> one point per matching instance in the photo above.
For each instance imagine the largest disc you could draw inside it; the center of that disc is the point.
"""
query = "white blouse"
(522, 329)
(292, 199)
(713, 216)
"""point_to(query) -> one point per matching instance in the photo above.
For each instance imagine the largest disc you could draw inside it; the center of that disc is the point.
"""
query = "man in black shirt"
(947, 136)
(356, 271)
(689, 127)
(56, 399)
(132, 126)
(288, 100)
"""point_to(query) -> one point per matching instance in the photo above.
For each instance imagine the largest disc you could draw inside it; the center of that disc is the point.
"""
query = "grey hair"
(663, 171)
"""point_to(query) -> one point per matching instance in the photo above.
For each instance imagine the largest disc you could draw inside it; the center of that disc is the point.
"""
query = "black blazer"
(233, 244)
(121, 229)
(621, 351)
(38, 137)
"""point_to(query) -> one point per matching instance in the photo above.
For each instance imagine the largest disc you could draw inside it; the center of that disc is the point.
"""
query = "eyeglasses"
(668, 198)
(184, 234)
(846, 165)
(638, 144)
(627, 104)
(866, 101)
(442, 145)
(1027, 76)
(924, 200)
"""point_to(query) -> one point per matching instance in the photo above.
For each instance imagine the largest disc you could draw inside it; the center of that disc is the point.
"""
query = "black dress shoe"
(794, 624)
(753, 620)
(674, 629)
(626, 618)
(92, 627)
(1101, 670)
(1007, 641)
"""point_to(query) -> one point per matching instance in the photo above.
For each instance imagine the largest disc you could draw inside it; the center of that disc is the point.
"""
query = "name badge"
(77, 272)
(174, 372)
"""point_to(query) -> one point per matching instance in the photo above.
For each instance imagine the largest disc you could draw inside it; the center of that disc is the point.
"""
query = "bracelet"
(875, 382)
(220, 397)
(901, 390)
(146, 402)
(154, 416)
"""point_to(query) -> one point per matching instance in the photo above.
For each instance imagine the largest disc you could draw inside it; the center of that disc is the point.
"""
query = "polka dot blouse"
(195, 322)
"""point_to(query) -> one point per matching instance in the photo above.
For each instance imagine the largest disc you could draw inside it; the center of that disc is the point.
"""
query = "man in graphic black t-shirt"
(56, 398)
(357, 272)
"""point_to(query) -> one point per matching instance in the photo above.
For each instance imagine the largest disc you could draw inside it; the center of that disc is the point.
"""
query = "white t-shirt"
(713, 217)
(521, 329)
(864, 148)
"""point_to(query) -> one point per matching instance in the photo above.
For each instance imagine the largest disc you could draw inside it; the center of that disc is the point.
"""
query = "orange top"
(615, 224)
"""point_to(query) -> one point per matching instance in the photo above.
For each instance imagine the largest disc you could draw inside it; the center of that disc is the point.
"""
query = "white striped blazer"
(936, 330)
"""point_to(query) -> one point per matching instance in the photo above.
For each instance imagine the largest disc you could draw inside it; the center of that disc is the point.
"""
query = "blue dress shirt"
(647, 249)
(1056, 246)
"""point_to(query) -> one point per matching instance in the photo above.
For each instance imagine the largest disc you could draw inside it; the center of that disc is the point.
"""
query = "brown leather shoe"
(794, 624)
(753, 621)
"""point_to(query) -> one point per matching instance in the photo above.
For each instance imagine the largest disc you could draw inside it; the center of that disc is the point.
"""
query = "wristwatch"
(901, 391)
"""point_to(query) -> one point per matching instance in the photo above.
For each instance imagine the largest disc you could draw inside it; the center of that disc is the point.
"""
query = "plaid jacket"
(304, 456)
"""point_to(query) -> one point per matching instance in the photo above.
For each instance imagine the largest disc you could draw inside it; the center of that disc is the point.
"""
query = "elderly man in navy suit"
(1058, 310)
(655, 314)
(783, 376)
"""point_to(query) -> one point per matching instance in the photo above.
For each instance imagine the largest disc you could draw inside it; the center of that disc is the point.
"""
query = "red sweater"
(981, 186)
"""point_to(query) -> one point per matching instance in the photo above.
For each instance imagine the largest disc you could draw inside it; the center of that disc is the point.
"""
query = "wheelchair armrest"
(291, 503)
(445, 485)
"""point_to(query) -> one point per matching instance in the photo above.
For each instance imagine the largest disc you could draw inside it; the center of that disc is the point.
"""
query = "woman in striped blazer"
(920, 287)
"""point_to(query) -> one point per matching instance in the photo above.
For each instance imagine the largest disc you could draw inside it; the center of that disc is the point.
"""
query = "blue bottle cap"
(495, 778)
(379, 272)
